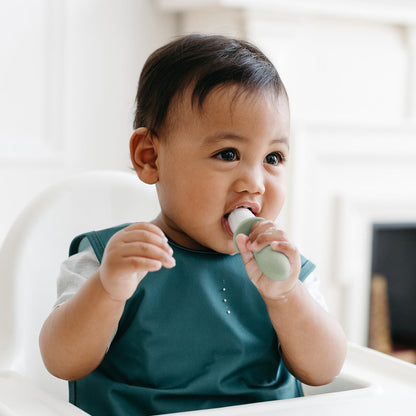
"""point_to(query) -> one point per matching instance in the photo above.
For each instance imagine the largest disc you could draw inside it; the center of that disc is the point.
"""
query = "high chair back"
(36, 245)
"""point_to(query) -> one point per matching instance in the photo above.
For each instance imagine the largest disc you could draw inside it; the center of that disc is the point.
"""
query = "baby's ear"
(143, 154)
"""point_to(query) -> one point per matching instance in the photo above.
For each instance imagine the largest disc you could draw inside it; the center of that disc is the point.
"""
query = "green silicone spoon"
(272, 264)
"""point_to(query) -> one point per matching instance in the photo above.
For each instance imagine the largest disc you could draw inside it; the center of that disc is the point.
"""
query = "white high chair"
(38, 242)
(30, 258)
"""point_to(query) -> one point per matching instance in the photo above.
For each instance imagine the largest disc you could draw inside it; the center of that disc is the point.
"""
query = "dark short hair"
(206, 62)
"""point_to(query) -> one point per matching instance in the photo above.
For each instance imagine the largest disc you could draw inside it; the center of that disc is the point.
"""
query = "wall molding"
(38, 55)
(353, 147)
(356, 215)
(345, 177)
(401, 12)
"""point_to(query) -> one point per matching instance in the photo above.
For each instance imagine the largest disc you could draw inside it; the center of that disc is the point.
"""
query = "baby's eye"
(274, 158)
(228, 155)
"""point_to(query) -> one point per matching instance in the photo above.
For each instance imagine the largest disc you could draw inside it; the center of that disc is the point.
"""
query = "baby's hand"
(265, 233)
(129, 255)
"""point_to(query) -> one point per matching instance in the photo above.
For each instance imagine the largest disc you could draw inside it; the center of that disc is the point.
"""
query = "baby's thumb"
(242, 241)
(249, 261)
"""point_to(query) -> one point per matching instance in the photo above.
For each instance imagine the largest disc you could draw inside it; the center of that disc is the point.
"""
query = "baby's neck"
(176, 235)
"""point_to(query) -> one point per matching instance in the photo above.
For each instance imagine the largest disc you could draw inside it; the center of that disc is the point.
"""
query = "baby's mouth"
(240, 206)
(226, 223)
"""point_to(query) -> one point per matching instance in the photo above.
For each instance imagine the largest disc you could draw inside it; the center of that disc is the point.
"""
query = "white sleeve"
(312, 283)
(75, 271)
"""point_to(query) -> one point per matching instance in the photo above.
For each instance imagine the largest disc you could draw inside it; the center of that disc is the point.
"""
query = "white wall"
(68, 76)
(350, 70)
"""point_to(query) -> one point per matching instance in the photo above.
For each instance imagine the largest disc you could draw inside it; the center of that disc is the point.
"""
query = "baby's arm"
(313, 343)
(76, 335)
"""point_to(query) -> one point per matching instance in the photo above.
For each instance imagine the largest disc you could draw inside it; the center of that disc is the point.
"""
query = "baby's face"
(231, 153)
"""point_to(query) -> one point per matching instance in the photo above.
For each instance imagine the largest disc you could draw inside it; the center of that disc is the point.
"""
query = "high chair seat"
(36, 245)
(30, 257)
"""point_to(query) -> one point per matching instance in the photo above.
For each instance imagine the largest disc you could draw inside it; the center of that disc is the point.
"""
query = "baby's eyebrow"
(221, 136)
(282, 140)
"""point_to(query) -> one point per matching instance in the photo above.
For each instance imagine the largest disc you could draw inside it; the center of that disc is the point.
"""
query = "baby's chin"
(229, 249)
(219, 243)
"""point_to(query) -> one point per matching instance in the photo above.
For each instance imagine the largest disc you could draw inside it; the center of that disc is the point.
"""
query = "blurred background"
(68, 78)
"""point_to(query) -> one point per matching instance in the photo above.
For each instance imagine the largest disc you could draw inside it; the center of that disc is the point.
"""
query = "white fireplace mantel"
(400, 12)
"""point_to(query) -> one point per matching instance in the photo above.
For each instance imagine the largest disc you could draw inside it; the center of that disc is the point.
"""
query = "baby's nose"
(250, 180)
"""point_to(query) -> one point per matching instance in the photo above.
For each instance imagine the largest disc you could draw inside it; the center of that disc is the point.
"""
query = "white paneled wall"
(350, 71)
(68, 78)
(69, 71)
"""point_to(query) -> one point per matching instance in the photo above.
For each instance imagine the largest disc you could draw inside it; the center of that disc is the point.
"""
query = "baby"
(164, 317)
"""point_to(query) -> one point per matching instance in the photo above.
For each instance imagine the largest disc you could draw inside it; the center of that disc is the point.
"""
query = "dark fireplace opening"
(393, 290)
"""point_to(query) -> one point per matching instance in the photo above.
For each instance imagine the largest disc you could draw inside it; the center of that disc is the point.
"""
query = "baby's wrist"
(108, 295)
(283, 297)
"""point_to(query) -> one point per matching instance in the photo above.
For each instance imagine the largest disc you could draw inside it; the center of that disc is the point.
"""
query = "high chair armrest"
(20, 397)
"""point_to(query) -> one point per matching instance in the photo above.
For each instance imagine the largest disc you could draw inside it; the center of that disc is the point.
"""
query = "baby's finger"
(242, 241)
(290, 251)
(145, 226)
(248, 257)
(148, 251)
(140, 235)
(264, 234)
(284, 247)
(149, 265)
